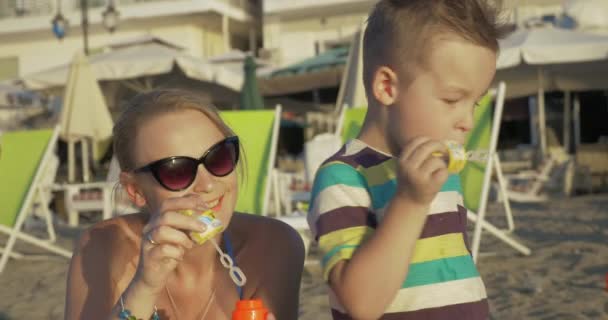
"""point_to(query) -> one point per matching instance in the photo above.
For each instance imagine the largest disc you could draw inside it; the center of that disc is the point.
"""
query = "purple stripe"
(345, 217)
(444, 223)
(463, 211)
(478, 310)
(366, 158)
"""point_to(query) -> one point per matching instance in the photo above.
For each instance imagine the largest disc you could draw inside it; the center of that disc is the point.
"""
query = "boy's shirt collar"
(360, 144)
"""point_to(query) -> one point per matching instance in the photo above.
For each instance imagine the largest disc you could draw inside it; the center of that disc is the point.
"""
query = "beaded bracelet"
(125, 314)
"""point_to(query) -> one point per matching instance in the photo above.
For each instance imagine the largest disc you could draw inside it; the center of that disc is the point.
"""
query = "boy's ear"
(127, 180)
(384, 85)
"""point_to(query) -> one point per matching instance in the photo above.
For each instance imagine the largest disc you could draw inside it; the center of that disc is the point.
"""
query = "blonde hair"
(400, 33)
(155, 103)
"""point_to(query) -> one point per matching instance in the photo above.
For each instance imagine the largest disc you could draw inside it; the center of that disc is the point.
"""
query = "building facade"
(204, 28)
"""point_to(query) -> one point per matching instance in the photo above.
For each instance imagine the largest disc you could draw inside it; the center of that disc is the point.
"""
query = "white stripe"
(353, 147)
(447, 201)
(438, 295)
(429, 296)
(334, 197)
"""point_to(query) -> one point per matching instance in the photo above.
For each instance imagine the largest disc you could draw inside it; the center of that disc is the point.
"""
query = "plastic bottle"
(214, 226)
(250, 310)
(455, 156)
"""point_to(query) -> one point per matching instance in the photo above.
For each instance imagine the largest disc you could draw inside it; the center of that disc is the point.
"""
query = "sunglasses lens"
(221, 160)
(177, 174)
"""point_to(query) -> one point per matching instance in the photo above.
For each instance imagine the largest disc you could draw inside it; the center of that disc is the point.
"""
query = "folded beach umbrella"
(84, 113)
(250, 94)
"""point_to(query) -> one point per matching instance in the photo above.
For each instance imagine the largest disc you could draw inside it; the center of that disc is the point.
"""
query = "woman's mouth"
(216, 204)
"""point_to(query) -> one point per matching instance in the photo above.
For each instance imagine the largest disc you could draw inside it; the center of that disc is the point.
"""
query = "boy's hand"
(420, 175)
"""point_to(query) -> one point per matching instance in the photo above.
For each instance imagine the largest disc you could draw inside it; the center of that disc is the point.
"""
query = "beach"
(563, 278)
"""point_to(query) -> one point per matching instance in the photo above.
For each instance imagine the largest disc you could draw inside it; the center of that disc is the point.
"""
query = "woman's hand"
(165, 241)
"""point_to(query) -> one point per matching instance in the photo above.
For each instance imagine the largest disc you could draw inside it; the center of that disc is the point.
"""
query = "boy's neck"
(374, 132)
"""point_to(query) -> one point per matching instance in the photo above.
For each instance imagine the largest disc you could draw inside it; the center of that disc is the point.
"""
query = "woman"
(175, 153)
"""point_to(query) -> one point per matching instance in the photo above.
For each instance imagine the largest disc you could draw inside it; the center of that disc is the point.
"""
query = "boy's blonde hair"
(400, 33)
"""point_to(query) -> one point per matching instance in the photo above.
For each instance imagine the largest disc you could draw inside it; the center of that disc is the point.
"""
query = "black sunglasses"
(178, 173)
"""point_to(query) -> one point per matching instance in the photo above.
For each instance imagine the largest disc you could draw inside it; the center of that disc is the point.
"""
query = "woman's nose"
(204, 181)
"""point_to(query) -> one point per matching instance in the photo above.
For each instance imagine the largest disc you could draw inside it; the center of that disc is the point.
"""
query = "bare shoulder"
(111, 247)
(104, 261)
(113, 234)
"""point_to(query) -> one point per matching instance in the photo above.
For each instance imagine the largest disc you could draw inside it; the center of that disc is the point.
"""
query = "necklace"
(174, 306)
(211, 298)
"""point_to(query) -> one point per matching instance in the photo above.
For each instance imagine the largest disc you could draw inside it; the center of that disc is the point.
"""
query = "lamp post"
(109, 19)
(84, 13)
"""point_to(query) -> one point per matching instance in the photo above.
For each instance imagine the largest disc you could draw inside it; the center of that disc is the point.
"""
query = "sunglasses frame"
(150, 167)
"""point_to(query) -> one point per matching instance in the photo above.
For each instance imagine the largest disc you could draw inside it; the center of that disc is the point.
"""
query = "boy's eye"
(450, 100)
(477, 104)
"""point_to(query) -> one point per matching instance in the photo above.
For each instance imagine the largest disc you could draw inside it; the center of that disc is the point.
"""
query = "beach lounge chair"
(95, 196)
(476, 177)
(531, 186)
(258, 131)
(24, 159)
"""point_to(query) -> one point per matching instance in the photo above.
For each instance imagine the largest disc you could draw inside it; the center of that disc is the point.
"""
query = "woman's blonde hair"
(152, 104)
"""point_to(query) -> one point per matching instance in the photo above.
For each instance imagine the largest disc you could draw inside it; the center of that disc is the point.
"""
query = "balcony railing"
(21, 8)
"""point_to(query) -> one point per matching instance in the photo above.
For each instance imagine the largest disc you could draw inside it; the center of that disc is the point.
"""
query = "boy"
(389, 220)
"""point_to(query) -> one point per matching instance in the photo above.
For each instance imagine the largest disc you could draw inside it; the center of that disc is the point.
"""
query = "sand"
(564, 278)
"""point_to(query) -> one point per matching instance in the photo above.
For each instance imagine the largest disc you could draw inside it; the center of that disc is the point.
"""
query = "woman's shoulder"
(113, 236)
(118, 229)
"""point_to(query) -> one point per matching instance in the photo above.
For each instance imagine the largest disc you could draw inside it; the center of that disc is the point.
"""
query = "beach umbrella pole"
(567, 120)
(71, 160)
(84, 147)
(541, 114)
(577, 122)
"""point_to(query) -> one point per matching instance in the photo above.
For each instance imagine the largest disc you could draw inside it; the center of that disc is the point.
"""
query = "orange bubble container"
(250, 310)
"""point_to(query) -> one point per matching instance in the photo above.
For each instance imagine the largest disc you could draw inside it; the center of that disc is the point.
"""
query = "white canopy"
(138, 61)
(542, 46)
(533, 61)
(564, 60)
(588, 14)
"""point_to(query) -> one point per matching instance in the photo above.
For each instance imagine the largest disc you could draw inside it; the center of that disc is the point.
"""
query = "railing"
(17, 8)
(281, 5)
(20, 8)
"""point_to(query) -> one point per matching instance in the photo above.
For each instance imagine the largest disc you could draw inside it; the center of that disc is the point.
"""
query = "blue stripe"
(333, 252)
(441, 270)
(383, 193)
(452, 184)
(334, 174)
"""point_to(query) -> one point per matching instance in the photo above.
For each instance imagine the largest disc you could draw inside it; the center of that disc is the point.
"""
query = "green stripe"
(442, 270)
(333, 251)
(336, 174)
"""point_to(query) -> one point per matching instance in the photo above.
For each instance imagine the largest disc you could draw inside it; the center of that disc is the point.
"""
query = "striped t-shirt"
(351, 191)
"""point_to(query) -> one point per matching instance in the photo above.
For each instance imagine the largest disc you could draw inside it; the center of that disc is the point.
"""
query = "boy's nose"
(466, 122)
